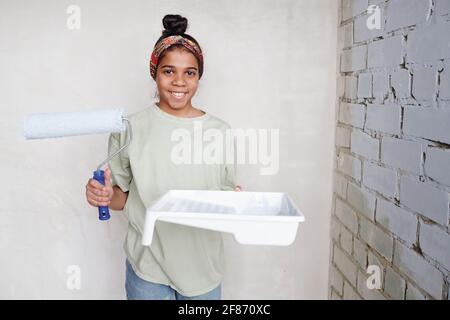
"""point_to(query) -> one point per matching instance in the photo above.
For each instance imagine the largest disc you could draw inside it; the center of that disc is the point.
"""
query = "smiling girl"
(182, 262)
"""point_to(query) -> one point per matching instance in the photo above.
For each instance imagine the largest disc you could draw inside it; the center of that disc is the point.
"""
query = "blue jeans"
(140, 289)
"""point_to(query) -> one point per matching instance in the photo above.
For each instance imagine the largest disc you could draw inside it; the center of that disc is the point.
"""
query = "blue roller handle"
(103, 212)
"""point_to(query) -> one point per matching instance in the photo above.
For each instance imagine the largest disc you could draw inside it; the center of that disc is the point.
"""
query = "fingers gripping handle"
(103, 212)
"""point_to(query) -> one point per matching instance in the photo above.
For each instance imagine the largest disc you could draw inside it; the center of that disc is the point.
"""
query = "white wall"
(268, 65)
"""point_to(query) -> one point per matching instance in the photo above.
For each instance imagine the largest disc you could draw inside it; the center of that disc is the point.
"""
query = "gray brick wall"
(392, 176)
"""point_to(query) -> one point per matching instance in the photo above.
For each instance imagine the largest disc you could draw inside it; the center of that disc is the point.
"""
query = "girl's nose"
(179, 80)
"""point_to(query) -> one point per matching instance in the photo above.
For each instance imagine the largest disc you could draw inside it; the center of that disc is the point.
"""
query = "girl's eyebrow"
(169, 66)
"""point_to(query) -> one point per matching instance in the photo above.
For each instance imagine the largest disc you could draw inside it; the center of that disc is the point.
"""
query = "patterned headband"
(170, 41)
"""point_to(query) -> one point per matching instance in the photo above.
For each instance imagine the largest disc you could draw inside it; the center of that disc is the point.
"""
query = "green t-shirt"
(190, 260)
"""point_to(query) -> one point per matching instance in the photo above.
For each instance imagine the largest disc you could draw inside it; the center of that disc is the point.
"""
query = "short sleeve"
(121, 173)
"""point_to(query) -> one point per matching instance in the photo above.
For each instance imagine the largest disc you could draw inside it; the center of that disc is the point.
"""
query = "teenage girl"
(182, 262)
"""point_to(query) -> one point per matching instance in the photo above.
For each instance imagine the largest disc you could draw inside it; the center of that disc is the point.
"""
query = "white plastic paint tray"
(260, 218)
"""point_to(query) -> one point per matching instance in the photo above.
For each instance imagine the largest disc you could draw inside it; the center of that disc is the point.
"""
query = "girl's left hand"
(237, 188)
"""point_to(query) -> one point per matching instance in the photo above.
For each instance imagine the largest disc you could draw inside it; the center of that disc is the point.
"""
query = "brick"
(376, 238)
(364, 145)
(428, 123)
(402, 154)
(336, 280)
(346, 240)
(346, 35)
(351, 87)
(365, 292)
(401, 82)
(352, 114)
(361, 200)
(412, 293)
(380, 84)
(334, 295)
(423, 273)
(436, 36)
(343, 137)
(442, 7)
(346, 215)
(340, 185)
(405, 13)
(351, 8)
(400, 222)
(435, 242)
(350, 293)
(345, 265)
(340, 85)
(360, 253)
(376, 2)
(394, 285)
(354, 59)
(444, 88)
(335, 229)
(424, 86)
(385, 53)
(365, 85)
(380, 179)
(437, 165)
(349, 165)
(384, 118)
(374, 260)
(424, 199)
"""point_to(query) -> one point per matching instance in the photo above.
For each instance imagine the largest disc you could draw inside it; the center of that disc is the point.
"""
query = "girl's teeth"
(178, 94)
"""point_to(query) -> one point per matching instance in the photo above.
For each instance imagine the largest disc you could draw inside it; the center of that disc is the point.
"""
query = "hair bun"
(174, 24)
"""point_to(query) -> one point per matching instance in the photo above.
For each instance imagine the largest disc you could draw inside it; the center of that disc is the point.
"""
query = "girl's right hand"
(99, 195)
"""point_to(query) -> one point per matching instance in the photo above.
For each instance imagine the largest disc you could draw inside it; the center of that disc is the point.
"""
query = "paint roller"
(65, 124)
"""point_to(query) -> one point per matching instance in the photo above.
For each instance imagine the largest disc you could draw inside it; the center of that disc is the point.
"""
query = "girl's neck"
(187, 111)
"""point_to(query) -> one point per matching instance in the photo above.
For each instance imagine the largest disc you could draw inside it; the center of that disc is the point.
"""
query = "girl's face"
(177, 79)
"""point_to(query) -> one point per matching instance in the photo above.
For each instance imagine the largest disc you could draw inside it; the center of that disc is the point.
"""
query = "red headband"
(170, 41)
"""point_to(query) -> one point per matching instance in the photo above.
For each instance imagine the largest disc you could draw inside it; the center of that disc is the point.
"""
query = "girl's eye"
(189, 73)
